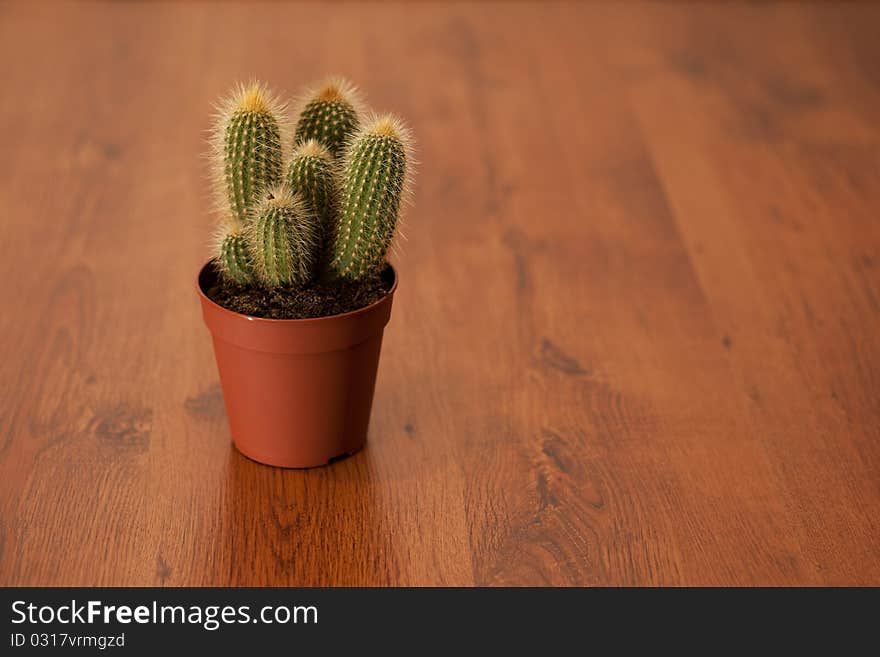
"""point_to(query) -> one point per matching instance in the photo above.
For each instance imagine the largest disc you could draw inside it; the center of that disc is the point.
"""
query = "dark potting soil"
(321, 299)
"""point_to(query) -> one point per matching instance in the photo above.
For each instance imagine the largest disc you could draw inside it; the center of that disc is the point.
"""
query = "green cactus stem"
(284, 239)
(233, 259)
(251, 148)
(329, 115)
(375, 179)
(311, 173)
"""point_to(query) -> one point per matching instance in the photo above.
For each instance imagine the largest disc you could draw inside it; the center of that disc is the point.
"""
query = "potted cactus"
(298, 291)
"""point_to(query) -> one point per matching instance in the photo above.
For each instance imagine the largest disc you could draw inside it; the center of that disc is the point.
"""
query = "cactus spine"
(247, 156)
(234, 260)
(311, 173)
(329, 115)
(375, 179)
(284, 239)
(251, 148)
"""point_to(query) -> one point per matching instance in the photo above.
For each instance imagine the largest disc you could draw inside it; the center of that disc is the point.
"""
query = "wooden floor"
(637, 335)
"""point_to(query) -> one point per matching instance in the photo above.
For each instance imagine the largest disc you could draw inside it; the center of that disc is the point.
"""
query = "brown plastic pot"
(298, 392)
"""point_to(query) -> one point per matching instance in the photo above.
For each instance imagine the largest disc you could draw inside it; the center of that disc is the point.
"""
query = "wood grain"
(637, 335)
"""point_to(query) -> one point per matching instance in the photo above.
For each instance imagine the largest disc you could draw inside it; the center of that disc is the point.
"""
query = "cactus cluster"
(321, 203)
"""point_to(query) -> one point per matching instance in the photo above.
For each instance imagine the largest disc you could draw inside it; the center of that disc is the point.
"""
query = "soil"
(321, 299)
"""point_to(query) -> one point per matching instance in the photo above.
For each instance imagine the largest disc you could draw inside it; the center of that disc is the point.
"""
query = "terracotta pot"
(298, 392)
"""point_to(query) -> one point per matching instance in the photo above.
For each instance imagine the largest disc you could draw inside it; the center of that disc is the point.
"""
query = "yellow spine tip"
(385, 126)
(312, 148)
(330, 92)
(253, 99)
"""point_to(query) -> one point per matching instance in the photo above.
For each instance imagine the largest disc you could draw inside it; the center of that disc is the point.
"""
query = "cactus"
(248, 139)
(284, 239)
(311, 173)
(333, 210)
(329, 115)
(234, 259)
(375, 179)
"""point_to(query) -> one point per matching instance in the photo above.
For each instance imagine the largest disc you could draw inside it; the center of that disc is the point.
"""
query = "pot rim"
(307, 320)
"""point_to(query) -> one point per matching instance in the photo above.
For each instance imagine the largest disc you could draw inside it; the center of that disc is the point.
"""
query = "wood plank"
(635, 340)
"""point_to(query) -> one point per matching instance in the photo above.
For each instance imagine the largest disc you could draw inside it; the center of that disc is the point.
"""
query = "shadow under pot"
(298, 392)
